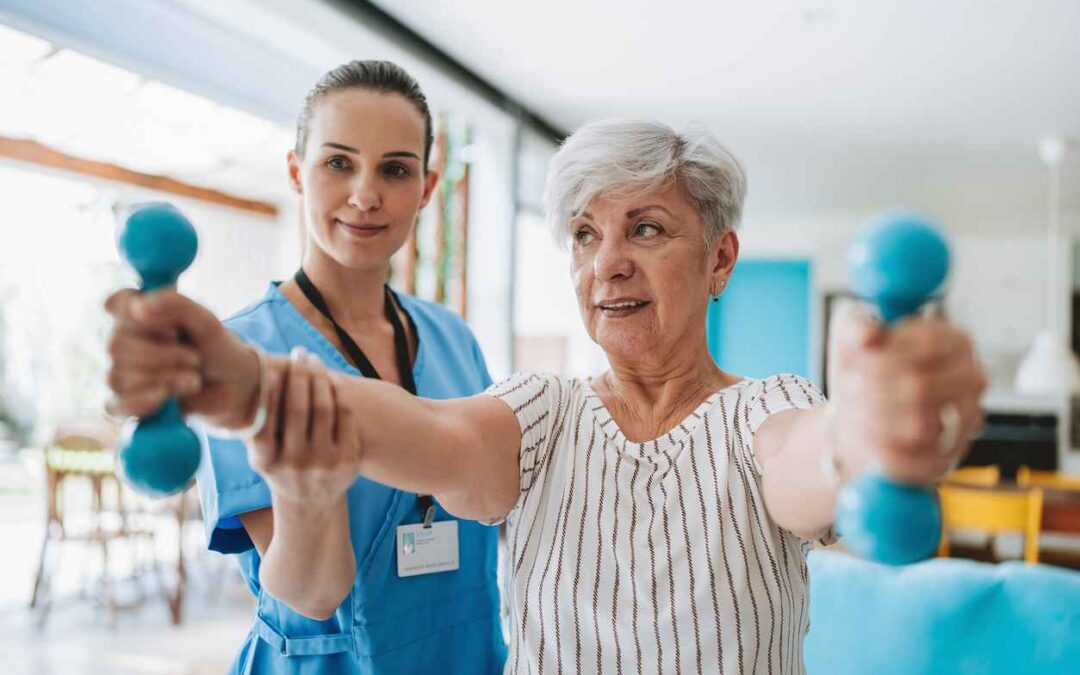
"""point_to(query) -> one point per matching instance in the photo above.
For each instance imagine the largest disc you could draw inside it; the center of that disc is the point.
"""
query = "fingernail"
(313, 360)
(297, 354)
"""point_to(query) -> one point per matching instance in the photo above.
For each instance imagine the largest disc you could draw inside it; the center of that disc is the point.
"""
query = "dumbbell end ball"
(160, 457)
(889, 522)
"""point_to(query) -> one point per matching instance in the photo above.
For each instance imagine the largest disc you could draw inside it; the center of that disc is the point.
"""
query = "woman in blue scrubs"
(321, 557)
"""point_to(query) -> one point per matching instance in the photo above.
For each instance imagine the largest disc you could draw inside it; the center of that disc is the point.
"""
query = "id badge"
(426, 550)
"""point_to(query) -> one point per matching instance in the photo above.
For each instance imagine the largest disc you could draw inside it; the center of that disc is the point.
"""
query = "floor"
(78, 636)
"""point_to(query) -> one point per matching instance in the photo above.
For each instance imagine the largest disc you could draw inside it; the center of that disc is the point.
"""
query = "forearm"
(462, 451)
(309, 563)
(799, 494)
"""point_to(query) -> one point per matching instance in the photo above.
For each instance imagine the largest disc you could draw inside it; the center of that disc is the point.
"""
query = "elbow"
(315, 604)
(317, 609)
(313, 612)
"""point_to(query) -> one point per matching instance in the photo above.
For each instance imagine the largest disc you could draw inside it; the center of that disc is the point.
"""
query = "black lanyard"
(363, 364)
(401, 341)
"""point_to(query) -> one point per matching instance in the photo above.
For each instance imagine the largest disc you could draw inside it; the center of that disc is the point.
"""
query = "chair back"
(992, 511)
(1049, 480)
(981, 476)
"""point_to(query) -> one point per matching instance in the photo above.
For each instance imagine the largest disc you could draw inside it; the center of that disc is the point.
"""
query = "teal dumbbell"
(161, 454)
(897, 264)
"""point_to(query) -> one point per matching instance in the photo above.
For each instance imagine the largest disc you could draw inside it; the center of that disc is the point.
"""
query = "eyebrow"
(356, 151)
(637, 212)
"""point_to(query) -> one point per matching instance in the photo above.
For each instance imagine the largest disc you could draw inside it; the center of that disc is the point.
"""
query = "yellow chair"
(1048, 480)
(979, 476)
(992, 512)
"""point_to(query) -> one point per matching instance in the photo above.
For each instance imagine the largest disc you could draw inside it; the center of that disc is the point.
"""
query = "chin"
(363, 254)
(625, 347)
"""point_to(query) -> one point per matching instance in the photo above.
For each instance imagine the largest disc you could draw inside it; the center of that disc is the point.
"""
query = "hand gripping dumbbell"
(161, 454)
(897, 264)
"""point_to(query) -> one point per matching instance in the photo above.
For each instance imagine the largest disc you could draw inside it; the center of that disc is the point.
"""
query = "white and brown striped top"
(655, 557)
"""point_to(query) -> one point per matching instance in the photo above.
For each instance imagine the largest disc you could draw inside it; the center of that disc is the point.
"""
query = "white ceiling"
(831, 103)
(134, 122)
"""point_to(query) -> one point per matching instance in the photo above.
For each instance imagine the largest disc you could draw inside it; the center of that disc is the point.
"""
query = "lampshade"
(1049, 367)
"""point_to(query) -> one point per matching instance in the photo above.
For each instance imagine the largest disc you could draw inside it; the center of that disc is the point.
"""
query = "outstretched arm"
(324, 429)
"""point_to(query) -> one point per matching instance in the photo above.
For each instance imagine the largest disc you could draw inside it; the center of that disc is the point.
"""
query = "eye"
(583, 236)
(647, 230)
(338, 163)
(396, 170)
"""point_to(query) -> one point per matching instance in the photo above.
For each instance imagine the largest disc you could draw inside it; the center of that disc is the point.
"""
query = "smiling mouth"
(622, 308)
(361, 230)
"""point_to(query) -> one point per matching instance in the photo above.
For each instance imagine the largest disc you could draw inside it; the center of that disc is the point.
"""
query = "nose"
(612, 262)
(364, 195)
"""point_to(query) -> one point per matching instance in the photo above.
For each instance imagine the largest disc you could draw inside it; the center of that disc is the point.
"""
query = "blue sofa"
(954, 617)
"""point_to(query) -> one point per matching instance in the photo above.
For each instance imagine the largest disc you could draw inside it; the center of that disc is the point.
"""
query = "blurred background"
(967, 111)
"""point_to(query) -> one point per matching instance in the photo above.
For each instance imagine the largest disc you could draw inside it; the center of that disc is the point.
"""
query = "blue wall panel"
(761, 325)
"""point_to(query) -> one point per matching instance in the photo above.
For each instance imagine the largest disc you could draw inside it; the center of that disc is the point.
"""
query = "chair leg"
(39, 578)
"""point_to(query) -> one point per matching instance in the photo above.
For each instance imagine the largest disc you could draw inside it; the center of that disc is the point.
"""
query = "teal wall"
(761, 325)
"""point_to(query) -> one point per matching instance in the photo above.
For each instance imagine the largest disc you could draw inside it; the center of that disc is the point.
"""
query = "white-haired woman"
(659, 513)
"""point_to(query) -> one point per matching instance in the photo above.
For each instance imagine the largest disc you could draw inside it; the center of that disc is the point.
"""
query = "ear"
(294, 173)
(430, 181)
(722, 257)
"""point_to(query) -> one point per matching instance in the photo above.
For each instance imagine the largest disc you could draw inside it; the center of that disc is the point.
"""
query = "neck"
(659, 392)
(652, 384)
(355, 296)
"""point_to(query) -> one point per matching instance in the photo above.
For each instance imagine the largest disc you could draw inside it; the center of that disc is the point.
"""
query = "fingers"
(301, 428)
(264, 450)
(296, 409)
(131, 349)
(855, 329)
(323, 417)
(909, 392)
(141, 403)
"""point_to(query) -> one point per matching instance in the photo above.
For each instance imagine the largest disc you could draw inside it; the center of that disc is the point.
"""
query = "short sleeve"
(535, 400)
(228, 487)
(777, 394)
(481, 364)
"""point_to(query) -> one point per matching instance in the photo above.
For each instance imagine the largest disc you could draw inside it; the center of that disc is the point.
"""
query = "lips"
(361, 229)
(621, 306)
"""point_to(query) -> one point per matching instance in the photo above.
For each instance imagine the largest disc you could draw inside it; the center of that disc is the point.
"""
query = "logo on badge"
(408, 542)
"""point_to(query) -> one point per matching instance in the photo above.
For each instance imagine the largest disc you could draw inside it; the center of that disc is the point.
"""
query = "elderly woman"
(659, 513)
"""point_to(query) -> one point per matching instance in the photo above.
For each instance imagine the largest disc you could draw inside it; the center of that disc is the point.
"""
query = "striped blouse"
(655, 557)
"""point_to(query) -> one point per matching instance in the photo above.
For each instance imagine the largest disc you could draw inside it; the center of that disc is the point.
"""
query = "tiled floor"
(78, 638)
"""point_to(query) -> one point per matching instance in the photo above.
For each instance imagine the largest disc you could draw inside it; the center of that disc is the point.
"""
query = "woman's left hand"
(906, 398)
(307, 451)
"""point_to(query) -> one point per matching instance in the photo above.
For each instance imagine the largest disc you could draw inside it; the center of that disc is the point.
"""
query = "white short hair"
(623, 157)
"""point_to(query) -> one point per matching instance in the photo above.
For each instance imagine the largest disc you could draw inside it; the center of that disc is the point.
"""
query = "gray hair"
(619, 158)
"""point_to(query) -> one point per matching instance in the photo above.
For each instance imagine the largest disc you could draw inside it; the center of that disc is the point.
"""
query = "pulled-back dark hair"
(380, 76)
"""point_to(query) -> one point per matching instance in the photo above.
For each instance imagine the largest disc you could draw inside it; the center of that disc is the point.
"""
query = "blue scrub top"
(446, 622)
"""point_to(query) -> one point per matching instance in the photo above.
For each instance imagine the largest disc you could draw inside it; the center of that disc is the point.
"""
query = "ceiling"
(135, 122)
(830, 103)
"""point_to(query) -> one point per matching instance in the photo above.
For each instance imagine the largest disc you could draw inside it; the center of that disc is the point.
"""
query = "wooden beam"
(37, 153)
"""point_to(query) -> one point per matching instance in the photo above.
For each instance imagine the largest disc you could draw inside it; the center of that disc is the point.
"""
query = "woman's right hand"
(307, 451)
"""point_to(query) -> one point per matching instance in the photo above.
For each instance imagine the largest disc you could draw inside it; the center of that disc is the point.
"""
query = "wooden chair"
(75, 455)
(992, 511)
(978, 476)
(1048, 480)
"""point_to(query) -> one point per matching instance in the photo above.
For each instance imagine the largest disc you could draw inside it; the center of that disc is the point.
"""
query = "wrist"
(307, 509)
(249, 415)
(837, 465)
